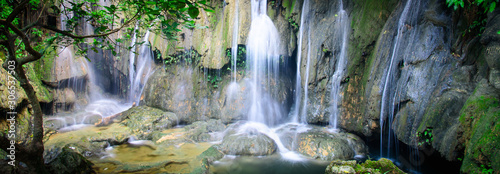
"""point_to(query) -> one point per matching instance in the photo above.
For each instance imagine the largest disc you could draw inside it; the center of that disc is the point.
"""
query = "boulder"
(66, 160)
(250, 144)
(320, 143)
(383, 165)
(203, 131)
(144, 120)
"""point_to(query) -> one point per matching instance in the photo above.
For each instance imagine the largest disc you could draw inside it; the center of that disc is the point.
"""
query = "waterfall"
(234, 87)
(306, 81)
(303, 17)
(131, 67)
(142, 71)
(341, 65)
(263, 59)
(387, 92)
(72, 73)
(234, 48)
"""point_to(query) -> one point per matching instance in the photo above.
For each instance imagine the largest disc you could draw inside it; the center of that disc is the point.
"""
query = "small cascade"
(388, 92)
(131, 67)
(298, 87)
(234, 46)
(263, 60)
(142, 71)
(303, 115)
(344, 23)
(234, 86)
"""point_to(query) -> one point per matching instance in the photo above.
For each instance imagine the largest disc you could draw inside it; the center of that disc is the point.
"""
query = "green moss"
(35, 78)
(383, 165)
(367, 24)
(480, 119)
(44, 66)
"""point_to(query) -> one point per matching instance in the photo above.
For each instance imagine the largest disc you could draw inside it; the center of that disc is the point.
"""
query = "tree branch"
(26, 41)
(16, 11)
(27, 27)
(71, 35)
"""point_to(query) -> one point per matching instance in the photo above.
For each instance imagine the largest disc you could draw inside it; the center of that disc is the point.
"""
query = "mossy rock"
(383, 165)
(251, 144)
(65, 160)
(480, 120)
(206, 158)
(200, 131)
(144, 120)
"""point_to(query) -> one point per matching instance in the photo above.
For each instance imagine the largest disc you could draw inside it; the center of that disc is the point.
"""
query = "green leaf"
(193, 12)
(498, 32)
(492, 6)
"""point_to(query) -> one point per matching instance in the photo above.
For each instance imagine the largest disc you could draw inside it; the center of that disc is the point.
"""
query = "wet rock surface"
(66, 160)
(253, 144)
(383, 165)
(321, 143)
(143, 120)
(204, 131)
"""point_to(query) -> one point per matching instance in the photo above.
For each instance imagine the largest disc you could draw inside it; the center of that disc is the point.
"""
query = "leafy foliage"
(426, 137)
(479, 22)
(240, 56)
(487, 5)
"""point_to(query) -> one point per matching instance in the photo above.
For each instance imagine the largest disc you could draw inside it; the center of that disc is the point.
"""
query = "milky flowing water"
(389, 77)
(142, 71)
(233, 88)
(234, 46)
(303, 114)
(99, 104)
(298, 80)
(263, 59)
(341, 64)
(131, 67)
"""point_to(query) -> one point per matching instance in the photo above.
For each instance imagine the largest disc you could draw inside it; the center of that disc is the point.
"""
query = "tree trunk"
(35, 148)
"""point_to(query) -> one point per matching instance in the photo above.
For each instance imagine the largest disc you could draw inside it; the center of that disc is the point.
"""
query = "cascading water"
(298, 93)
(263, 58)
(341, 65)
(234, 46)
(298, 88)
(387, 106)
(131, 67)
(234, 86)
(142, 71)
(303, 114)
(99, 104)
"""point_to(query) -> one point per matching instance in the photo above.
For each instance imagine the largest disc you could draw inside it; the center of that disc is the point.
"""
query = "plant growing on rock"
(28, 29)
(426, 137)
(474, 12)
